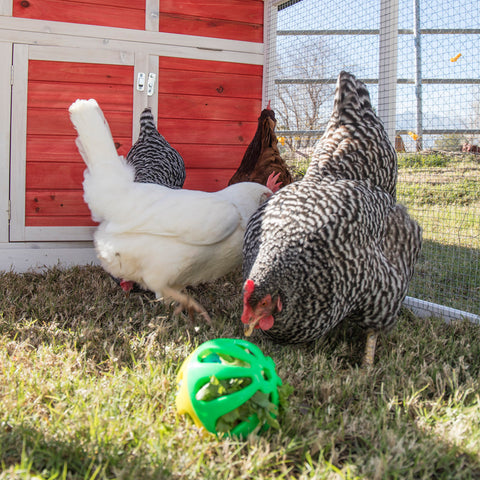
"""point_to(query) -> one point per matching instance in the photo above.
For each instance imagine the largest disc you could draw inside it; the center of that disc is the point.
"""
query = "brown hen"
(262, 157)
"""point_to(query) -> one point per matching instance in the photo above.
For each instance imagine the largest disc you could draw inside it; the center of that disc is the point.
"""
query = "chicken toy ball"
(229, 386)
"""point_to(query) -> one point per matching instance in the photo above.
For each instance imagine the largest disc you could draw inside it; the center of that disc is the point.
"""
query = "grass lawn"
(442, 193)
(88, 385)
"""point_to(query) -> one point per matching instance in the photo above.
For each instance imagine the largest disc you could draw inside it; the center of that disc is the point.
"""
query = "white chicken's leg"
(186, 303)
(370, 348)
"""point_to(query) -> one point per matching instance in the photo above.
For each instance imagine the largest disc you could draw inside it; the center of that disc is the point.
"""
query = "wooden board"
(77, 72)
(211, 180)
(210, 156)
(54, 168)
(109, 13)
(216, 84)
(208, 111)
(230, 19)
(206, 132)
(47, 121)
(209, 66)
(61, 221)
(204, 107)
(244, 11)
(62, 149)
(59, 203)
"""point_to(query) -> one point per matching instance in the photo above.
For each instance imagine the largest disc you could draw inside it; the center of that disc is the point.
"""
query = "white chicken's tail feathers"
(107, 172)
(94, 141)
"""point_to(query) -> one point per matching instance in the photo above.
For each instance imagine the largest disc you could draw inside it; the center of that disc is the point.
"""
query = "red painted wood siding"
(230, 19)
(208, 111)
(54, 168)
(108, 13)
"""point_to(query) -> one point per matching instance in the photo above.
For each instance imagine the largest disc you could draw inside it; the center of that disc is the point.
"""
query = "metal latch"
(141, 81)
(151, 84)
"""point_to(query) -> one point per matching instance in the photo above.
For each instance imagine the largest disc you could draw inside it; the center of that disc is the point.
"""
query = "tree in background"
(301, 96)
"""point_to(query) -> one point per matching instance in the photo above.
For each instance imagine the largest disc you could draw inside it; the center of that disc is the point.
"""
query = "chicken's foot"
(370, 348)
(185, 302)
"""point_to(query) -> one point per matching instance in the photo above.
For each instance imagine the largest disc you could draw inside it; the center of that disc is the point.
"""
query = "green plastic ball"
(245, 361)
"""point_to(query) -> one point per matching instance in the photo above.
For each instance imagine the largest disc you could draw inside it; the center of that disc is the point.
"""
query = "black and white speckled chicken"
(334, 245)
(153, 158)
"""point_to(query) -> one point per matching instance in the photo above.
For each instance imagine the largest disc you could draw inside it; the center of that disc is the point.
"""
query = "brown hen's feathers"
(262, 157)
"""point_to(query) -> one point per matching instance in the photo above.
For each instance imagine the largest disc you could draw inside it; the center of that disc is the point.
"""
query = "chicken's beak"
(262, 316)
(250, 327)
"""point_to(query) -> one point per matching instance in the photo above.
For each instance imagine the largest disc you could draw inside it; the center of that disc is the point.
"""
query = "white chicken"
(161, 238)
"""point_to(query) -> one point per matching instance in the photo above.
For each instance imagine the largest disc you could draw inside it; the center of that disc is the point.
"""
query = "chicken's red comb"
(249, 286)
(247, 309)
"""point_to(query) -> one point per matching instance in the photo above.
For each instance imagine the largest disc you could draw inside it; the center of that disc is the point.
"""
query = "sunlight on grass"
(88, 385)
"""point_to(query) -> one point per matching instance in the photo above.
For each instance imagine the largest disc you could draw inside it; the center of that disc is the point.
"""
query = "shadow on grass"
(26, 449)
(83, 308)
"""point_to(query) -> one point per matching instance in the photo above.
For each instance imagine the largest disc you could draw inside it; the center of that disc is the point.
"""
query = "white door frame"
(5, 97)
(22, 53)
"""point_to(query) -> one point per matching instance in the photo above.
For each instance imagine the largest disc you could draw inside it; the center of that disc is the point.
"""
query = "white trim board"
(78, 54)
(22, 53)
(6, 7)
(5, 93)
(21, 257)
(40, 32)
(18, 142)
(424, 309)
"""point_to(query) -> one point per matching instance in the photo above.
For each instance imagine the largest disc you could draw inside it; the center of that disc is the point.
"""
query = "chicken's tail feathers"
(107, 174)
(352, 101)
(147, 123)
(94, 142)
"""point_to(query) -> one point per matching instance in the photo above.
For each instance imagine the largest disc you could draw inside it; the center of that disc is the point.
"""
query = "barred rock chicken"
(334, 245)
(262, 157)
(161, 238)
(154, 161)
(153, 158)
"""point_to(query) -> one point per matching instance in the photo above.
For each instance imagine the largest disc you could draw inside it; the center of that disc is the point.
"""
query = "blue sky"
(447, 105)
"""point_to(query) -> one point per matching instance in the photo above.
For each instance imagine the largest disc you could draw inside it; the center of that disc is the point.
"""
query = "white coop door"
(46, 170)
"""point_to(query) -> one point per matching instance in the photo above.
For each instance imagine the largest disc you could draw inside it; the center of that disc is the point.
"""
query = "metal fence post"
(418, 72)
(387, 69)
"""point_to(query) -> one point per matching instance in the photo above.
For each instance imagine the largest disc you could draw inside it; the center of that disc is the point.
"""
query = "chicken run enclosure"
(420, 60)
(209, 68)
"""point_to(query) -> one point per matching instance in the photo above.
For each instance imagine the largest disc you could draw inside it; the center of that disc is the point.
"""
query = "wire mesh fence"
(420, 60)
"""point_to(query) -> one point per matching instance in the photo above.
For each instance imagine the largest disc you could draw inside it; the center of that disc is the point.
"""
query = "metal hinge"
(141, 82)
(151, 84)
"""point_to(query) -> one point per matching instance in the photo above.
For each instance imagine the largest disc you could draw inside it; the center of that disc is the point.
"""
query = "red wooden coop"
(198, 64)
